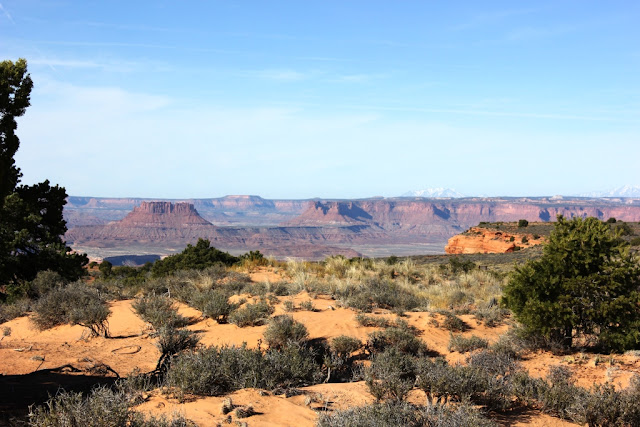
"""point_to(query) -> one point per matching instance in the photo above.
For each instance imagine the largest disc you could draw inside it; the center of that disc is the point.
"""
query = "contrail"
(7, 14)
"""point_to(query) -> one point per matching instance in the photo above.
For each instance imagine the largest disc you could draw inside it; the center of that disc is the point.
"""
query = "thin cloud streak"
(7, 14)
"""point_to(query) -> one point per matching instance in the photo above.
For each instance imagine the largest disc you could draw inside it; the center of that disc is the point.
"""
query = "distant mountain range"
(624, 191)
(434, 192)
(439, 192)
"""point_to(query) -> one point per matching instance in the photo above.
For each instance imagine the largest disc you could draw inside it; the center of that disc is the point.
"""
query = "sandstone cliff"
(479, 240)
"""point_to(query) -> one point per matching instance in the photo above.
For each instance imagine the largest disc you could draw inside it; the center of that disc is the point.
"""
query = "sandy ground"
(38, 353)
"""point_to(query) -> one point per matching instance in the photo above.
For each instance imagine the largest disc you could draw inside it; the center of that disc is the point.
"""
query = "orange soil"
(22, 352)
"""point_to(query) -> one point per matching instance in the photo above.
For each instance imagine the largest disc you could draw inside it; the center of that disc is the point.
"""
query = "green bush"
(213, 303)
(464, 345)
(391, 375)
(197, 257)
(400, 413)
(44, 282)
(103, 407)
(372, 321)
(453, 323)
(75, 304)
(343, 346)
(397, 337)
(251, 314)
(523, 223)
(284, 330)
(160, 311)
(215, 371)
(586, 283)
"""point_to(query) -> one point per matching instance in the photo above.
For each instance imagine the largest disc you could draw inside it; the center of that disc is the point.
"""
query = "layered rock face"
(478, 240)
(339, 224)
(228, 210)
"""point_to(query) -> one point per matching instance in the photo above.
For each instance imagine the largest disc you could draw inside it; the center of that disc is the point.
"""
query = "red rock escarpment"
(478, 240)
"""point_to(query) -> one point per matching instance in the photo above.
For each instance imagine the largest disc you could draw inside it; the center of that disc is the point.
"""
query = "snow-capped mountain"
(434, 192)
(624, 191)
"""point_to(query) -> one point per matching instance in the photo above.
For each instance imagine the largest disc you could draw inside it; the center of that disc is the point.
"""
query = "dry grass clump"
(463, 344)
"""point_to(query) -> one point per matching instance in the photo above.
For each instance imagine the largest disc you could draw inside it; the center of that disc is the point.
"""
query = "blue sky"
(297, 99)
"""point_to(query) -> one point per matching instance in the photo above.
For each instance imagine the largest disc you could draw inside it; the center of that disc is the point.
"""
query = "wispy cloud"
(490, 18)
(356, 78)
(535, 33)
(281, 74)
(6, 14)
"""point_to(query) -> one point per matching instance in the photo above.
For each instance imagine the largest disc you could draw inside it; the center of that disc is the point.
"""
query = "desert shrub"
(524, 239)
(391, 375)
(486, 380)
(251, 314)
(393, 413)
(245, 411)
(289, 306)
(560, 395)
(294, 365)
(213, 303)
(635, 241)
(605, 406)
(215, 371)
(16, 309)
(382, 293)
(491, 316)
(453, 323)
(372, 321)
(400, 338)
(463, 344)
(103, 407)
(75, 304)
(160, 311)
(307, 305)
(523, 223)
(44, 282)
(344, 345)
(458, 264)
(283, 330)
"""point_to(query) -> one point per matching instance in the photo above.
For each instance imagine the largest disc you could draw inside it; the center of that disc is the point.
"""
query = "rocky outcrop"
(478, 240)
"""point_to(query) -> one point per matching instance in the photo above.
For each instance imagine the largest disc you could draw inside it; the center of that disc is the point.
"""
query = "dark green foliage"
(391, 375)
(31, 222)
(623, 229)
(524, 239)
(215, 371)
(399, 338)
(635, 241)
(197, 257)
(75, 304)
(172, 341)
(392, 260)
(400, 413)
(102, 408)
(586, 283)
(458, 264)
(523, 223)
(159, 311)
(611, 220)
(463, 345)
(105, 268)
(251, 314)
(283, 331)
